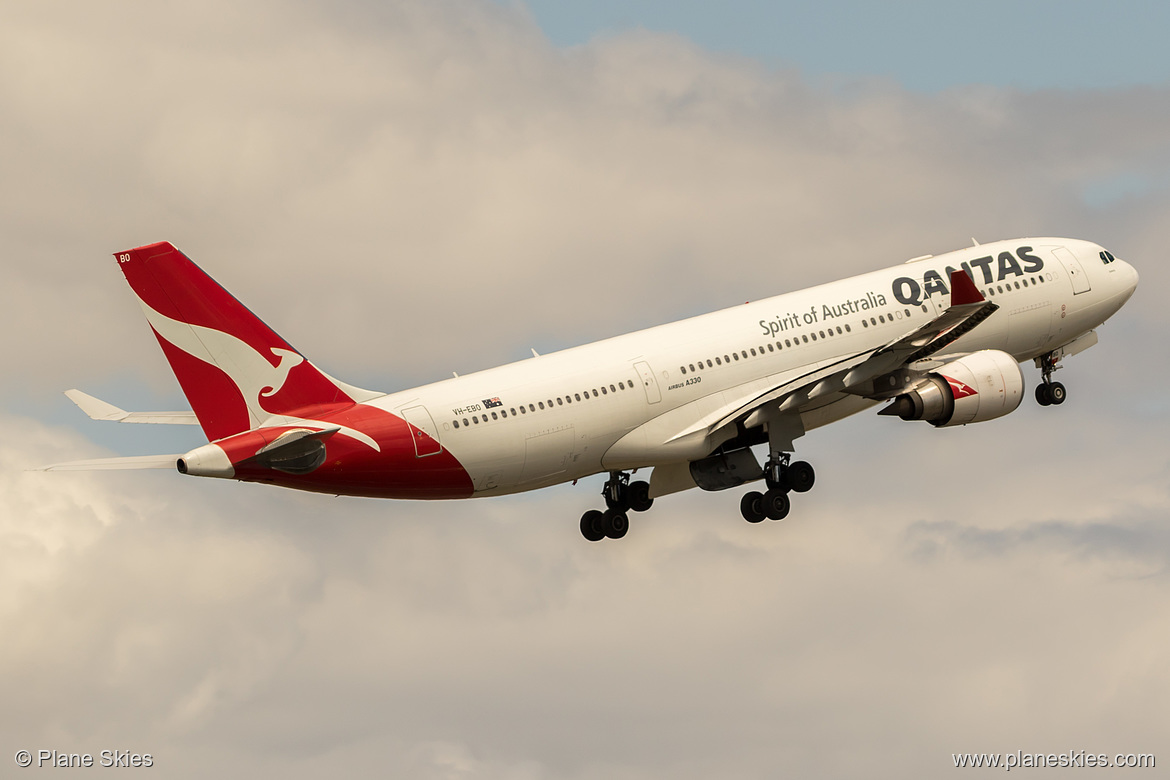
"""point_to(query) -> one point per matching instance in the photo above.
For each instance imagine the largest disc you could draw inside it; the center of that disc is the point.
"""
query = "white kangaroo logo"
(253, 375)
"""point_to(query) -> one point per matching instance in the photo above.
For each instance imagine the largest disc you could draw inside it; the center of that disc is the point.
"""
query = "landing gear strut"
(1049, 392)
(621, 496)
(781, 475)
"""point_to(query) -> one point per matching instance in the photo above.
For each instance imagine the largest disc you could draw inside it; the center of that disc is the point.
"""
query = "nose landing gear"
(1049, 393)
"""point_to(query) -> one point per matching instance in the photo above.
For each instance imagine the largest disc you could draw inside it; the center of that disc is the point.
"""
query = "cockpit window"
(1107, 257)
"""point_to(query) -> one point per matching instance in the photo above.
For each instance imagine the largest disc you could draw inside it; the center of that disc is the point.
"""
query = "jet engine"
(980, 386)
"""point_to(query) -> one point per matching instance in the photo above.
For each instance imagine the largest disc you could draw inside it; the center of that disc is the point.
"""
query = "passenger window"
(753, 351)
(771, 348)
(456, 422)
(873, 322)
(726, 359)
(1000, 288)
(621, 385)
(612, 389)
(864, 324)
(882, 319)
(839, 330)
(494, 417)
(718, 362)
(603, 390)
(503, 413)
(907, 314)
(1017, 285)
(745, 354)
(475, 420)
(735, 355)
(814, 336)
(682, 370)
(532, 407)
(692, 366)
(514, 411)
(560, 401)
(805, 338)
(485, 419)
(522, 410)
(464, 422)
(709, 364)
(595, 392)
(788, 343)
(579, 395)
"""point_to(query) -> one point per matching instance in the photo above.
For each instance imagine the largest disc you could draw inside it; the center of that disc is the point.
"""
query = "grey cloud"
(404, 189)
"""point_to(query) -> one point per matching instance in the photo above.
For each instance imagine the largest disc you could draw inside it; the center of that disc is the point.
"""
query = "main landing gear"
(781, 477)
(1049, 393)
(621, 496)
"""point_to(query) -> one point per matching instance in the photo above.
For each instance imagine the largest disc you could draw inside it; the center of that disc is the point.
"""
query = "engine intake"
(974, 388)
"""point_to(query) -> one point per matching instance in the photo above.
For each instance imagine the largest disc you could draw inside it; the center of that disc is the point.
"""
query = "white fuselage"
(647, 398)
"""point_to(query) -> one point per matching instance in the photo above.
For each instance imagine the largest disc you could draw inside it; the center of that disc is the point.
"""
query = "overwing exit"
(938, 339)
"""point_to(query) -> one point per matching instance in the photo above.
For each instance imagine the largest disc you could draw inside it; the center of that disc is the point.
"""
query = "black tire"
(751, 506)
(615, 523)
(777, 504)
(639, 494)
(591, 526)
(1057, 393)
(1042, 396)
(800, 476)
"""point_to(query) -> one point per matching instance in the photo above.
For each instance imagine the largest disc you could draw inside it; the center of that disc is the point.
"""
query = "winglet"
(963, 290)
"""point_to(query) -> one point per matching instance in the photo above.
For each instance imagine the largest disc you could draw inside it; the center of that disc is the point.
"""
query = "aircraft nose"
(1129, 279)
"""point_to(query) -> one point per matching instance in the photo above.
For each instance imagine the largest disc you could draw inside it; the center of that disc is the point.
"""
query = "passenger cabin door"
(649, 383)
(422, 431)
(1076, 274)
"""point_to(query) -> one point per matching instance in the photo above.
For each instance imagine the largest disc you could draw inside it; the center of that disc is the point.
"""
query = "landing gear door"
(422, 431)
(1076, 274)
(649, 384)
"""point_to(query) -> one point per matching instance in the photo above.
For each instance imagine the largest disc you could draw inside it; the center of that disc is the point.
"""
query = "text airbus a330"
(938, 339)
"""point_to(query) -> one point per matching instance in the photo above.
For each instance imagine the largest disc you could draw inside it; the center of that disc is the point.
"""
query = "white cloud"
(365, 175)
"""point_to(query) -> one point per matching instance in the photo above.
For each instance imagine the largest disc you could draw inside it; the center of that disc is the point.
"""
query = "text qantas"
(990, 270)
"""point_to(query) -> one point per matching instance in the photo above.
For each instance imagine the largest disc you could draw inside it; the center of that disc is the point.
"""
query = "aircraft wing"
(856, 373)
(98, 409)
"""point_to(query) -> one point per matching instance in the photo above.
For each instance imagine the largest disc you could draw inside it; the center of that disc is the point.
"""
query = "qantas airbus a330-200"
(938, 339)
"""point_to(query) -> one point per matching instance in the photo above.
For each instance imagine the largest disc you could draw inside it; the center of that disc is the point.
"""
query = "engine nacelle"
(977, 387)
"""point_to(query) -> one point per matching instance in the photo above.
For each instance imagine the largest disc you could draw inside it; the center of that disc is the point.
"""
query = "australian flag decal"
(492, 403)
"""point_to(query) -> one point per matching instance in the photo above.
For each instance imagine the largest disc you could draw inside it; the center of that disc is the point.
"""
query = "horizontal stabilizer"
(98, 409)
(111, 464)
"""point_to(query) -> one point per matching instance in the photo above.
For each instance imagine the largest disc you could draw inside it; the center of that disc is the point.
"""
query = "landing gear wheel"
(800, 476)
(776, 504)
(751, 506)
(591, 526)
(615, 523)
(1042, 395)
(639, 496)
(1057, 393)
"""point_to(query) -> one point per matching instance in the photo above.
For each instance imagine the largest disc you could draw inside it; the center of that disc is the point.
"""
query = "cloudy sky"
(406, 189)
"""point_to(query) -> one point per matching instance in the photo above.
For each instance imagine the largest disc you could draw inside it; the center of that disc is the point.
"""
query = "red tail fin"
(235, 370)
